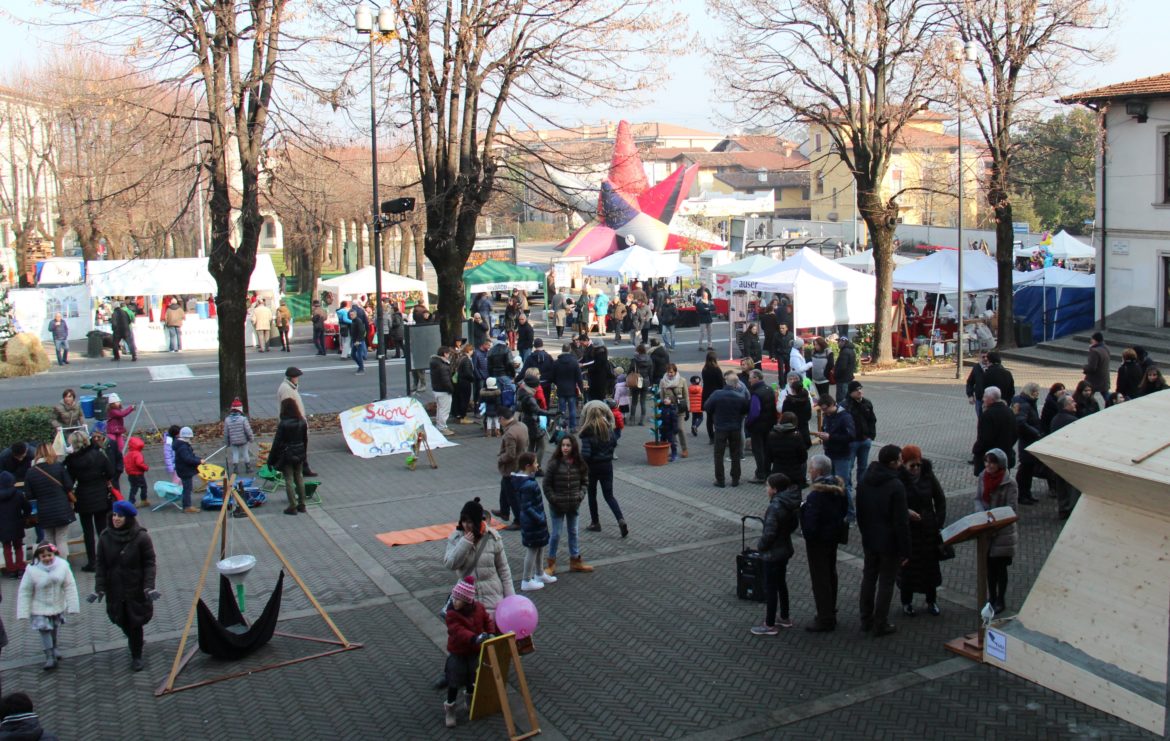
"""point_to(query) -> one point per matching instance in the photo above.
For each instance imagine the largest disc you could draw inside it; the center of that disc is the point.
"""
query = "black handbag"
(946, 551)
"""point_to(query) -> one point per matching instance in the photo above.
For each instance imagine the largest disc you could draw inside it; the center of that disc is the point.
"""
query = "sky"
(692, 98)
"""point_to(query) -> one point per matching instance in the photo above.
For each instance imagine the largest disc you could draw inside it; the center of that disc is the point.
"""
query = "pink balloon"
(516, 614)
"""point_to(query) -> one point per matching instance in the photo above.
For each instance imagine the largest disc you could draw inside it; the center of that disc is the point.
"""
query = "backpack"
(507, 393)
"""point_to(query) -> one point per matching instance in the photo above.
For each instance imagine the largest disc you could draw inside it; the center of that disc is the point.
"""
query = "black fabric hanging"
(230, 636)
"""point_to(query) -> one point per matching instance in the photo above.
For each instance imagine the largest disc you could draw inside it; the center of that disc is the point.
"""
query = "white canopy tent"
(1063, 246)
(162, 277)
(638, 263)
(863, 261)
(747, 266)
(823, 292)
(362, 282)
(939, 273)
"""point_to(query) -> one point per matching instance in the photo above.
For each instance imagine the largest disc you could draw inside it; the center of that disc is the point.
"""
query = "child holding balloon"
(468, 625)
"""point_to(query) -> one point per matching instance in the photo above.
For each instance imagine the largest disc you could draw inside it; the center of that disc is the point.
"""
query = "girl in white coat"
(47, 592)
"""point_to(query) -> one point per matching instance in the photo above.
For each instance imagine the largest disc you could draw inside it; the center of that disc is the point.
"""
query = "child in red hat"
(468, 625)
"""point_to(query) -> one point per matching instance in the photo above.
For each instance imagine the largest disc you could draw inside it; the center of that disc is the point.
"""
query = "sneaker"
(531, 585)
(908, 610)
(290, 511)
(673, 458)
(932, 608)
(784, 623)
(546, 578)
(593, 527)
(765, 630)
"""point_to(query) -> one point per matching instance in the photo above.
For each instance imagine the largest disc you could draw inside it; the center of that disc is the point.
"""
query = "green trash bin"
(93, 347)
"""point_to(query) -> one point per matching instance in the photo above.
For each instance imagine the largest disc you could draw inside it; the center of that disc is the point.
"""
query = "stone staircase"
(1071, 351)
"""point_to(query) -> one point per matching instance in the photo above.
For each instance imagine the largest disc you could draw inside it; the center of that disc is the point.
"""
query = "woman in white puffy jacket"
(47, 592)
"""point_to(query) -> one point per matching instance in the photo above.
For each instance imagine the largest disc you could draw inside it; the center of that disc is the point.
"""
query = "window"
(820, 183)
(834, 198)
(817, 148)
(269, 229)
(1166, 167)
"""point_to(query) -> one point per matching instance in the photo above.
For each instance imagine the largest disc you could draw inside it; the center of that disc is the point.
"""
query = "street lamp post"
(364, 24)
(960, 52)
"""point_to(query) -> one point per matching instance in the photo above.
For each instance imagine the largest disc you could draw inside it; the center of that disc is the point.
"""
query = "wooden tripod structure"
(340, 642)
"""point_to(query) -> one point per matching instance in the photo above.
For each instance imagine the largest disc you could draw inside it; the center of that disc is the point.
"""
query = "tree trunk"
(419, 251)
(881, 231)
(405, 240)
(1004, 258)
(449, 279)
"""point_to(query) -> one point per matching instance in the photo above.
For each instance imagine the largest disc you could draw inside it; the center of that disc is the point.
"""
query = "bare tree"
(27, 187)
(469, 63)
(1026, 49)
(859, 70)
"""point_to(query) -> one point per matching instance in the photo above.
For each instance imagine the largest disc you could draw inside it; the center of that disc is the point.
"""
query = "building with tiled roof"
(1132, 223)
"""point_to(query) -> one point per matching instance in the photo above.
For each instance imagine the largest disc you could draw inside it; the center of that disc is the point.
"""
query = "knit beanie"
(186, 433)
(465, 589)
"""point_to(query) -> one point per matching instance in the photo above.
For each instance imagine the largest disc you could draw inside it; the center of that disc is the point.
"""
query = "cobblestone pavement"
(654, 644)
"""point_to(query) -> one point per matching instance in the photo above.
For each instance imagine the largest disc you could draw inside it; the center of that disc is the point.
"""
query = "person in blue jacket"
(343, 322)
(186, 466)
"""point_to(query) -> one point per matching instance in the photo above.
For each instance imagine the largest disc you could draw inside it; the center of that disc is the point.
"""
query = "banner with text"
(388, 427)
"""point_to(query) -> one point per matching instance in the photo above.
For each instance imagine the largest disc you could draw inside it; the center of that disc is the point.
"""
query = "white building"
(1132, 234)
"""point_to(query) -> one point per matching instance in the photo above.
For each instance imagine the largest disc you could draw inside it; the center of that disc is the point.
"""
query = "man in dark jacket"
(769, 324)
(845, 368)
(976, 384)
(822, 520)
(783, 343)
(727, 408)
(667, 318)
(442, 387)
(1028, 432)
(1066, 493)
(838, 435)
(659, 359)
(997, 429)
(884, 521)
(1097, 368)
(359, 331)
(480, 330)
(541, 360)
(998, 376)
(525, 336)
(761, 417)
(567, 379)
(864, 426)
(122, 327)
(19, 720)
(17, 458)
(499, 360)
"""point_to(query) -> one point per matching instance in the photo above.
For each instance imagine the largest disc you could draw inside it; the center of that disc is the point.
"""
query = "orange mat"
(419, 534)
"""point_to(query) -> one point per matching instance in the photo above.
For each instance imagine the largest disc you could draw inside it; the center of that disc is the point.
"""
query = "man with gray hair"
(727, 408)
(1066, 493)
(822, 519)
(997, 429)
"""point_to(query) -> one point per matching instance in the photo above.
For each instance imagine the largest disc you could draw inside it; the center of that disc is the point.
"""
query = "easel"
(982, 527)
(180, 662)
(141, 407)
(420, 441)
(491, 691)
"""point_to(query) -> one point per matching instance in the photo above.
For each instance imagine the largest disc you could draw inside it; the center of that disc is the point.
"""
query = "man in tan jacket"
(262, 322)
(513, 442)
(173, 322)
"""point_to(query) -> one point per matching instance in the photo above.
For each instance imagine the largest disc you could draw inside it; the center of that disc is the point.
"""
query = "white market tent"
(939, 273)
(362, 282)
(863, 261)
(1063, 246)
(747, 266)
(640, 263)
(162, 277)
(823, 292)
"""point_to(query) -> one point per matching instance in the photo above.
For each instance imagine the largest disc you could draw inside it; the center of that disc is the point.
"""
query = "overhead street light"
(364, 24)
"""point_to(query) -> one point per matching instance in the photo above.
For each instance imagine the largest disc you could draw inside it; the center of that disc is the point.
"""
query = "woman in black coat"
(1129, 374)
(290, 447)
(91, 470)
(1051, 407)
(796, 400)
(14, 510)
(49, 484)
(788, 451)
(712, 376)
(928, 514)
(464, 373)
(751, 344)
(601, 376)
(125, 576)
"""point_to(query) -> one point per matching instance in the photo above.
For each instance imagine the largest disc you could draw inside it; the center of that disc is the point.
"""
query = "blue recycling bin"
(87, 406)
(201, 309)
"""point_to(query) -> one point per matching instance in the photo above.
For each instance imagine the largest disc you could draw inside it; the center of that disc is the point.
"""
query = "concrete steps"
(1073, 350)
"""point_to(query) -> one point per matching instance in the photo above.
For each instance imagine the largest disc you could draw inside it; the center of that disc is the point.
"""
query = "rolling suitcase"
(749, 567)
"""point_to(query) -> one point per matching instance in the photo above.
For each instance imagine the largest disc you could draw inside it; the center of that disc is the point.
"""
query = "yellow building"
(923, 169)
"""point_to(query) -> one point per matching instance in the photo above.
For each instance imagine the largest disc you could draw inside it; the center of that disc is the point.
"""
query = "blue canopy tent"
(1059, 303)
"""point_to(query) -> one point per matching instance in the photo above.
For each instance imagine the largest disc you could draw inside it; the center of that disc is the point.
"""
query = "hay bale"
(24, 355)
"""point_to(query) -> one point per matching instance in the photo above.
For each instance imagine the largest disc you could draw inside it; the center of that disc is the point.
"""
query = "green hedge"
(30, 424)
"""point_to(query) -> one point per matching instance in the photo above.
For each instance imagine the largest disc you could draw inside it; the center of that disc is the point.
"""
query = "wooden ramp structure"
(1096, 625)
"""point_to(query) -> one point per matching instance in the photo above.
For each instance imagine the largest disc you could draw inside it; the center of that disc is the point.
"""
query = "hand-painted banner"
(388, 427)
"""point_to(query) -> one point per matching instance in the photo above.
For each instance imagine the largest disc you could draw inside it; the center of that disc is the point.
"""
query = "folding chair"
(270, 478)
(167, 493)
(313, 493)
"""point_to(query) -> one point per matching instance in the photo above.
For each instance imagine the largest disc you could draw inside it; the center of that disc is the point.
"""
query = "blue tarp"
(1055, 311)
